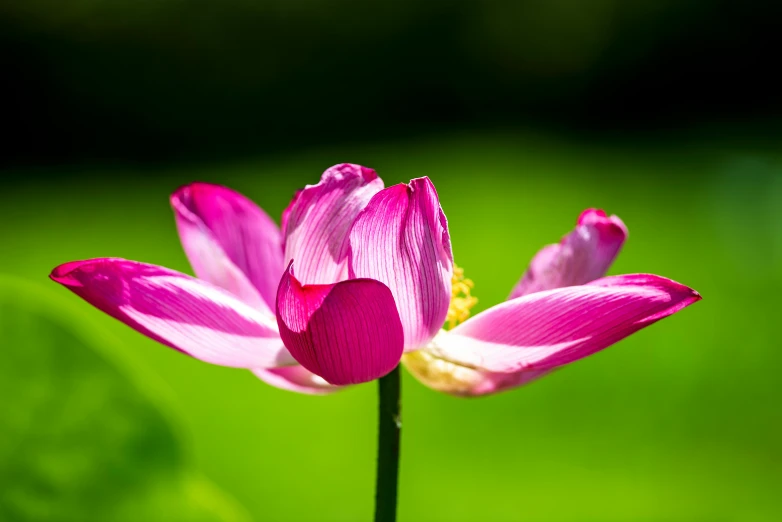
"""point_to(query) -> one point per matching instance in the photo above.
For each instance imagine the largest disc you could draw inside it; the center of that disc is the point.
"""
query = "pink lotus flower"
(294, 304)
(356, 276)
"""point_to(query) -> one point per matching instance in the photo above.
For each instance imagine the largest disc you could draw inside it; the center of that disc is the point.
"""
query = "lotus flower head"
(358, 277)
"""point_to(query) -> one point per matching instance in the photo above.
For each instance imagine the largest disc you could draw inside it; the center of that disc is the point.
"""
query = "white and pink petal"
(585, 254)
(296, 379)
(184, 313)
(230, 242)
(316, 224)
(546, 330)
(401, 239)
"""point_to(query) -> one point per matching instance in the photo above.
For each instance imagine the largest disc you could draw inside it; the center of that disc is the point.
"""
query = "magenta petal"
(182, 312)
(230, 242)
(401, 238)
(585, 254)
(297, 379)
(316, 223)
(347, 332)
(549, 329)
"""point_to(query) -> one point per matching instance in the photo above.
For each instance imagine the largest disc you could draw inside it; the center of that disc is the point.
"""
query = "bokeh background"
(523, 113)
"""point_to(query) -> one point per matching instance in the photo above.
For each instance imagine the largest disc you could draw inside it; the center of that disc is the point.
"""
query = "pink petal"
(316, 223)
(182, 312)
(297, 379)
(549, 329)
(583, 255)
(492, 382)
(347, 332)
(401, 239)
(230, 242)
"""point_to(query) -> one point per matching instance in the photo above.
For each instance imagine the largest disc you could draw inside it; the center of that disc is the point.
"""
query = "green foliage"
(678, 423)
(78, 440)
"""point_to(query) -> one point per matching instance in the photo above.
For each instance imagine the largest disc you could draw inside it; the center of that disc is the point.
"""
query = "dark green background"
(171, 80)
(523, 114)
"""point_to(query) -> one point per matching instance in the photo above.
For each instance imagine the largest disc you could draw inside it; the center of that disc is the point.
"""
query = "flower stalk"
(389, 429)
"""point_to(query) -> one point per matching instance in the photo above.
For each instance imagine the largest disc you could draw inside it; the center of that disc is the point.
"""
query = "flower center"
(461, 300)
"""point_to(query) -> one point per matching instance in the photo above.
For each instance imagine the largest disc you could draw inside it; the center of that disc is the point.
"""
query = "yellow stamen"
(461, 300)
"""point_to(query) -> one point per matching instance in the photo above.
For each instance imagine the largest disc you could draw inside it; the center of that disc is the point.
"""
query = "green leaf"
(79, 439)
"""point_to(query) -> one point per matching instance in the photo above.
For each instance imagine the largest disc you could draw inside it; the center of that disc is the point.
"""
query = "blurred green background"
(523, 114)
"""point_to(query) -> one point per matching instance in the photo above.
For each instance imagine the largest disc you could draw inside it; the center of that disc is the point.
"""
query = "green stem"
(389, 427)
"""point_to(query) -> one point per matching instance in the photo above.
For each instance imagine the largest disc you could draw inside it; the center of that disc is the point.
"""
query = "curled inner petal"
(347, 332)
